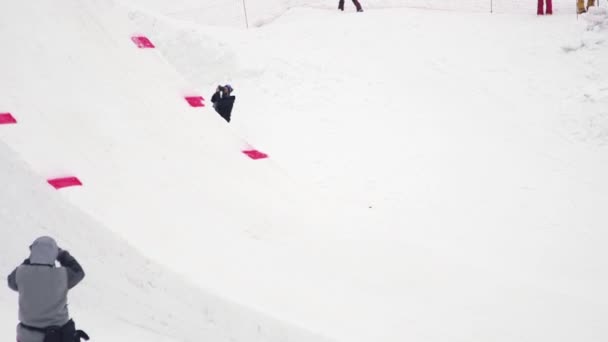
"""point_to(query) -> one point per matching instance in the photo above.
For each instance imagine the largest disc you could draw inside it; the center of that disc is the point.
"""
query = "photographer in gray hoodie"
(43, 290)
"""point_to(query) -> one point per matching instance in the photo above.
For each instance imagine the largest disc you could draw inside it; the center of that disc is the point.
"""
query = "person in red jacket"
(356, 2)
(549, 9)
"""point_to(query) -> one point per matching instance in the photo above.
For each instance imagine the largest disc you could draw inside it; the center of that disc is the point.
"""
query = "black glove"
(61, 255)
(79, 334)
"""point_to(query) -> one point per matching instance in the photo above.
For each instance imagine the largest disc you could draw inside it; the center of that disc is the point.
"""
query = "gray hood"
(44, 251)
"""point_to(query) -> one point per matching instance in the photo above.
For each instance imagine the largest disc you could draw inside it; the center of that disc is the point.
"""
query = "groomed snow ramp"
(124, 296)
(93, 104)
(88, 102)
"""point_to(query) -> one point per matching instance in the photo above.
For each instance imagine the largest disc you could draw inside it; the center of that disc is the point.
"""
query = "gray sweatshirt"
(42, 287)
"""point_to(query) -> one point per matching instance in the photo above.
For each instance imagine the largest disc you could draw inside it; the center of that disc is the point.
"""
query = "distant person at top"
(356, 2)
(541, 11)
(43, 290)
(580, 5)
(223, 101)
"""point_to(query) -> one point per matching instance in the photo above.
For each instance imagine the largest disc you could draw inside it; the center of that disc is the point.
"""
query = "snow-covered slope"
(434, 175)
(90, 104)
(456, 140)
(125, 296)
(168, 177)
(122, 290)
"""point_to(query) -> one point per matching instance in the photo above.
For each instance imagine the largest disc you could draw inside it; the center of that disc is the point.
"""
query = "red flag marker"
(64, 182)
(195, 101)
(255, 154)
(142, 42)
(7, 118)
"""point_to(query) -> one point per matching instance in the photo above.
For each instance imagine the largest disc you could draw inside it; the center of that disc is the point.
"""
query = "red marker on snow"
(255, 154)
(195, 101)
(7, 118)
(142, 42)
(64, 182)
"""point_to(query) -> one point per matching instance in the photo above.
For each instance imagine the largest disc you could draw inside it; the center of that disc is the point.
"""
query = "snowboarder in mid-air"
(43, 290)
(223, 101)
(356, 2)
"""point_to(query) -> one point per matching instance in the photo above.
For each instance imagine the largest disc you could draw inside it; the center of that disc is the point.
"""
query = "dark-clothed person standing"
(355, 2)
(223, 101)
